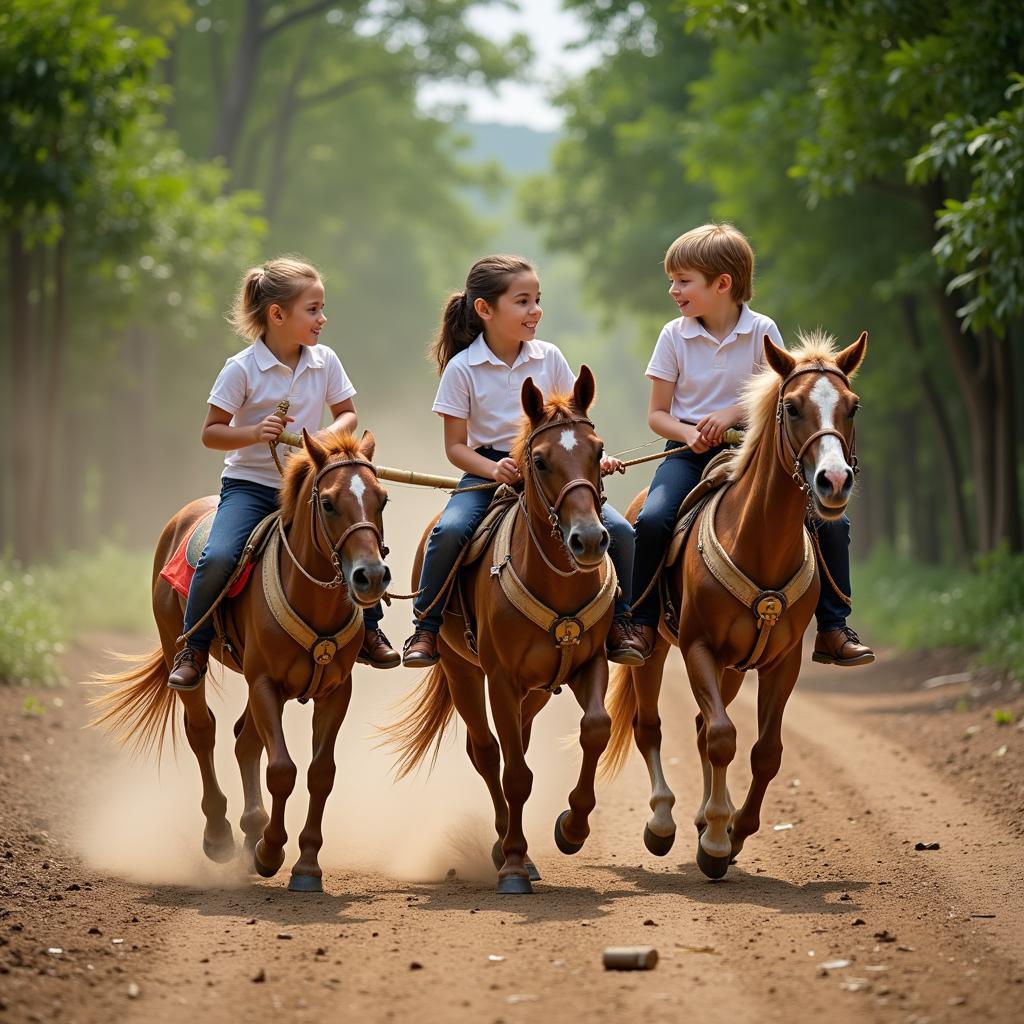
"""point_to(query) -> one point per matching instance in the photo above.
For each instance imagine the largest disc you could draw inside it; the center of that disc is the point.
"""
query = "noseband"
(791, 459)
(318, 526)
(552, 508)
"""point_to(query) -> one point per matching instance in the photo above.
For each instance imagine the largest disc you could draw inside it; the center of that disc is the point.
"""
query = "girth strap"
(322, 648)
(565, 630)
(767, 605)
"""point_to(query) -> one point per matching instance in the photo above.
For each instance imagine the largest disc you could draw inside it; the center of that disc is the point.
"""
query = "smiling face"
(302, 320)
(695, 295)
(516, 314)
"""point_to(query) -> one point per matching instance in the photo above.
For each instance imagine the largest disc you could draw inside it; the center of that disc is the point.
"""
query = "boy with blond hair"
(699, 365)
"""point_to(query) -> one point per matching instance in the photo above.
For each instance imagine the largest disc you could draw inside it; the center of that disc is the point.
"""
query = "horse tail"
(622, 706)
(139, 708)
(430, 711)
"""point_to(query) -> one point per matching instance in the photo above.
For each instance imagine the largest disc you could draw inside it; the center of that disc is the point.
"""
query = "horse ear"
(849, 359)
(316, 451)
(778, 358)
(584, 389)
(367, 445)
(533, 400)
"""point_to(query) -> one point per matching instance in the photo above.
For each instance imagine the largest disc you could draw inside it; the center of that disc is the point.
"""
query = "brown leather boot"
(188, 669)
(643, 639)
(420, 650)
(377, 651)
(623, 647)
(841, 647)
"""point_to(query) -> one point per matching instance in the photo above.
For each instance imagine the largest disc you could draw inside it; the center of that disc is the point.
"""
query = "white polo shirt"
(478, 387)
(251, 384)
(708, 373)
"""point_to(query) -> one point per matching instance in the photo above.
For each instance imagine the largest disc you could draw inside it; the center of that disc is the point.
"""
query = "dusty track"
(872, 765)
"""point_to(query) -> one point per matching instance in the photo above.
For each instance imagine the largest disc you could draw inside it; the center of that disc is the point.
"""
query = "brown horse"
(558, 551)
(797, 455)
(335, 480)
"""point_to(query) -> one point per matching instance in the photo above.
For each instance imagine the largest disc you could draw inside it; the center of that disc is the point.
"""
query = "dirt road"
(106, 907)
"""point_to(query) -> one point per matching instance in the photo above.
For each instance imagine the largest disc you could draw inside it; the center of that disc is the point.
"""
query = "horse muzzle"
(367, 581)
(587, 543)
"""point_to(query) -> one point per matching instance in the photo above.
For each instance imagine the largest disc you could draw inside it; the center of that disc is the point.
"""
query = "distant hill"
(520, 150)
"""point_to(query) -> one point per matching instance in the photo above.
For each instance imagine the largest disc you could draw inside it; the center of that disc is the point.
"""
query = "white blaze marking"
(568, 440)
(358, 489)
(830, 452)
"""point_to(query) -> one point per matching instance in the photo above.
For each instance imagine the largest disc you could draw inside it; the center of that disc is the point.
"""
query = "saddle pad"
(181, 566)
(496, 512)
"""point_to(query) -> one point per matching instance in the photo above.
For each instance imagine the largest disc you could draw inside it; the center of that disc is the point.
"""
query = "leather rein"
(318, 527)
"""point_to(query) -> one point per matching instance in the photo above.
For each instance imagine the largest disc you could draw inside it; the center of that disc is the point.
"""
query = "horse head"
(559, 455)
(346, 518)
(815, 412)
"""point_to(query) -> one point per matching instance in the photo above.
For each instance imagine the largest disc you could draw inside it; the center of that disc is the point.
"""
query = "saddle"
(181, 566)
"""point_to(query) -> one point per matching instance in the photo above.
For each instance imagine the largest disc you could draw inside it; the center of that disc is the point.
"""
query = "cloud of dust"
(145, 823)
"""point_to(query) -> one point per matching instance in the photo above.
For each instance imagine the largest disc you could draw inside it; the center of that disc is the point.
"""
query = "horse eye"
(540, 463)
(854, 410)
(327, 505)
(384, 503)
(792, 411)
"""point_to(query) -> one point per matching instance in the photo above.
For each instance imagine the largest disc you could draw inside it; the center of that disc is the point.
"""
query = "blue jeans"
(834, 541)
(242, 505)
(460, 518)
(675, 477)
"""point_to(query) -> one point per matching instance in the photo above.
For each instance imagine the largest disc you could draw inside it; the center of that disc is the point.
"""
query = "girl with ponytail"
(485, 348)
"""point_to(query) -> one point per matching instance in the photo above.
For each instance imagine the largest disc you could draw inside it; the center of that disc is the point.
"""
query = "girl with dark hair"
(485, 349)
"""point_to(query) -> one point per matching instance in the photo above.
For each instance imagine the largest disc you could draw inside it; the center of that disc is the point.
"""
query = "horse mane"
(760, 395)
(299, 465)
(555, 407)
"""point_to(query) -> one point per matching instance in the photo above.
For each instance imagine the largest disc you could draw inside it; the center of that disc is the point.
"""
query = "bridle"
(552, 508)
(318, 527)
(792, 460)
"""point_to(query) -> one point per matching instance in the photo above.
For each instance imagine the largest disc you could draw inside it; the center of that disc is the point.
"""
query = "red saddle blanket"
(181, 566)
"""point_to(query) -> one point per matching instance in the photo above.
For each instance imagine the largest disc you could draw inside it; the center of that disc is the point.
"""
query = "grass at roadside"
(45, 607)
(913, 606)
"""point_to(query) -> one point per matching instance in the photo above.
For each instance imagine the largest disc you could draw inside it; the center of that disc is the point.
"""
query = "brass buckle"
(768, 606)
(324, 651)
(567, 631)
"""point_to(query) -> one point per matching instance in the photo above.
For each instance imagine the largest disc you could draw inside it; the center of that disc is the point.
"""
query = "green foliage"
(1002, 716)
(914, 606)
(70, 80)
(30, 628)
(43, 610)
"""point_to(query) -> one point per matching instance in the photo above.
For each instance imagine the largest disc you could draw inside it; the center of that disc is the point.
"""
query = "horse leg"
(266, 705)
(731, 681)
(466, 685)
(516, 781)
(714, 847)
(589, 687)
(328, 714)
(535, 700)
(660, 830)
(248, 751)
(773, 690)
(201, 730)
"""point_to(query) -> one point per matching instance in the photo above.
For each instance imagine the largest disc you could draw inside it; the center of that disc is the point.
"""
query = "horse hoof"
(560, 841)
(514, 885)
(262, 868)
(531, 870)
(305, 883)
(658, 845)
(713, 867)
(220, 851)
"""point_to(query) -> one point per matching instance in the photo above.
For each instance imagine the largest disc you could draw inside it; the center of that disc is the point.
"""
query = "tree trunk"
(21, 407)
(236, 97)
(945, 436)
(1007, 526)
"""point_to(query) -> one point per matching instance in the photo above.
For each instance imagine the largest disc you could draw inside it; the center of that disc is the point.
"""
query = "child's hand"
(713, 427)
(269, 429)
(694, 439)
(506, 471)
(610, 464)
